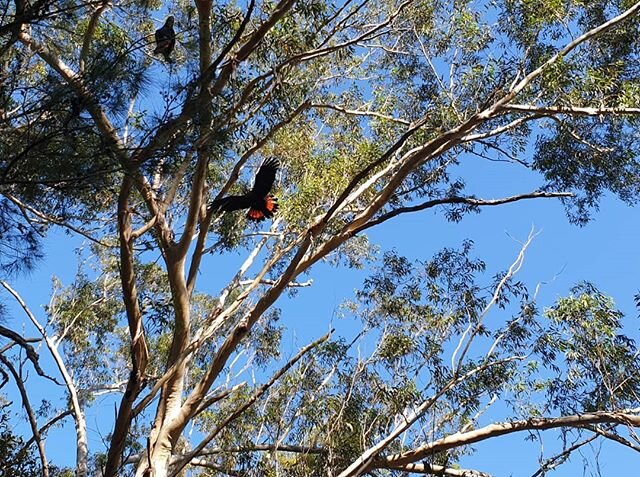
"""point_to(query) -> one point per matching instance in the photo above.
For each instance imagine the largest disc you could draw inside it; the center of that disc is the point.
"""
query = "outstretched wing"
(265, 177)
(233, 202)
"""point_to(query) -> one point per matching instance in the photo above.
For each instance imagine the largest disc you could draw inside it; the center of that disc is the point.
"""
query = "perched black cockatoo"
(165, 39)
(259, 201)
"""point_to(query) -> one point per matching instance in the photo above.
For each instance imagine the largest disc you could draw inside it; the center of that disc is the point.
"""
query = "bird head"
(169, 21)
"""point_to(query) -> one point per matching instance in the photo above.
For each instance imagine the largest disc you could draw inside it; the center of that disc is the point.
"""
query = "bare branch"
(461, 200)
(569, 110)
(500, 429)
(82, 449)
(500, 129)
(29, 350)
(373, 32)
(265, 448)
(552, 462)
(576, 136)
(208, 401)
(204, 115)
(236, 37)
(356, 112)
(308, 283)
(435, 469)
(30, 414)
(45, 428)
(217, 468)
(513, 269)
(615, 437)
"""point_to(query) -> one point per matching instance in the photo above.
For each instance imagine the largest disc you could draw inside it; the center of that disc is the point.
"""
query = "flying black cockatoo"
(259, 201)
(165, 39)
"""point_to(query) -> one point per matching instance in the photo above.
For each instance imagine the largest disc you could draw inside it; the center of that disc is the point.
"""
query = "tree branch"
(615, 437)
(460, 200)
(51, 219)
(367, 459)
(30, 414)
(569, 110)
(247, 404)
(204, 118)
(501, 429)
(91, 29)
(209, 401)
(356, 112)
(139, 351)
(82, 450)
(594, 32)
(29, 350)
(45, 428)
(75, 81)
(435, 469)
(552, 462)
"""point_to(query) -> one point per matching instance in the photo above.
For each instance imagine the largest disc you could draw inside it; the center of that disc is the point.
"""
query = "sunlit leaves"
(586, 331)
(85, 318)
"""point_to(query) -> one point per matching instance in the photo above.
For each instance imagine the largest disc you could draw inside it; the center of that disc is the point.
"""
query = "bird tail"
(270, 208)
(271, 204)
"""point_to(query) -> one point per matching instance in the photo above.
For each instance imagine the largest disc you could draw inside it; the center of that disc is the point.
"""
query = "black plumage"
(259, 201)
(165, 39)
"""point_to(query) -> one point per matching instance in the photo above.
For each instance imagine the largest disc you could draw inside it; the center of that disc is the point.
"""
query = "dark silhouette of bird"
(76, 105)
(165, 39)
(259, 201)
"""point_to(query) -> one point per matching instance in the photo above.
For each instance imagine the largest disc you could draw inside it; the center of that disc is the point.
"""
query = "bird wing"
(162, 34)
(230, 203)
(265, 177)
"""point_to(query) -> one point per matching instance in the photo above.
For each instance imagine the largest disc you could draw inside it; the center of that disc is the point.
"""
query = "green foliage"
(85, 316)
(598, 360)
(572, 164)
(19, 241)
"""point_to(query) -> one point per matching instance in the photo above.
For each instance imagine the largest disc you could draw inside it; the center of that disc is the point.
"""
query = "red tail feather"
(269, 208)
(255, 214)
(271, 203)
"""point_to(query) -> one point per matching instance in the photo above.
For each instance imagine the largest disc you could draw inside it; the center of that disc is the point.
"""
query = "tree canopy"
(372, 108)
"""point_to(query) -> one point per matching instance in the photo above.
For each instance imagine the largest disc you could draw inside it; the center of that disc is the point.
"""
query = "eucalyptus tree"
(369, 107)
